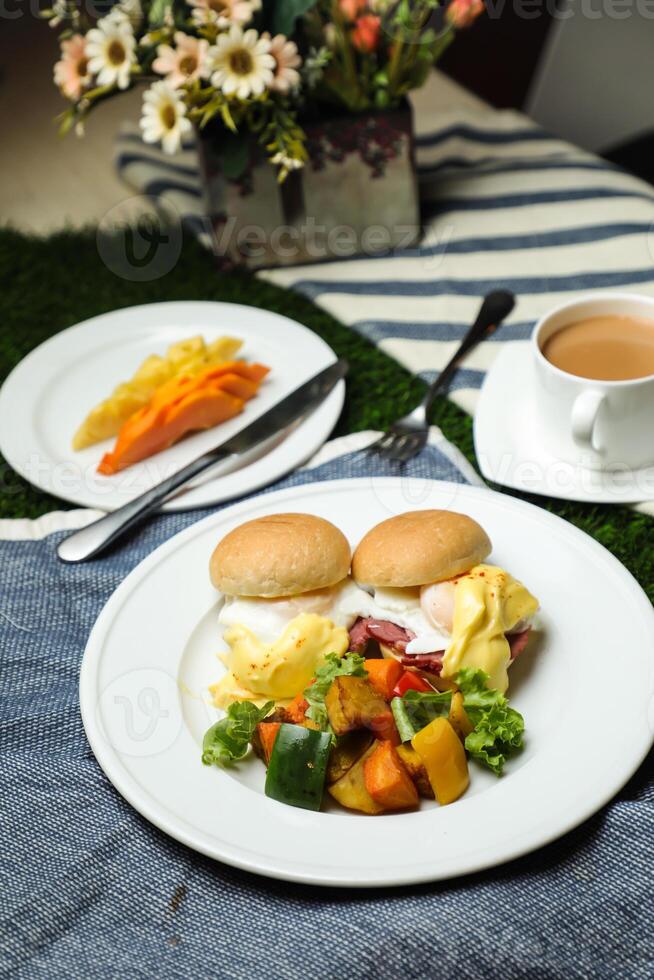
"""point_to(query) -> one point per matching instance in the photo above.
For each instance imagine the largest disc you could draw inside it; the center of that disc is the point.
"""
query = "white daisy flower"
(59, 12)
(223, 13)
(132, 10)
(110, 48)
(287, 163)
(164, 118)
(240, 63)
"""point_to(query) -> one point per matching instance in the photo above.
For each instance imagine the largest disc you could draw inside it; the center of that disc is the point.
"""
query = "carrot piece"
(267, 732)
(387, 780)
(384, 674)
(295, 711)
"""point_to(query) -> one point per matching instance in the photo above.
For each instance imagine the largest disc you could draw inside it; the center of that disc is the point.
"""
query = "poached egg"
(275, 645)
(488, 603)
(467, 617)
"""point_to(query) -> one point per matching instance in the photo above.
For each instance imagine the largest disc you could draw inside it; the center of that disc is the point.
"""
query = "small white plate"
(510, 438)
(47, 395)
(152, 654)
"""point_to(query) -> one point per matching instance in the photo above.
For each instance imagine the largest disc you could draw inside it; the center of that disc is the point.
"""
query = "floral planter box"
(356, 195)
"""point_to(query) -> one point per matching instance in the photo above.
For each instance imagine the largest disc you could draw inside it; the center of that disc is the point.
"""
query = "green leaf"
(286, 12)
(333, 666)
(473, 684)
(497, 734)
(416, 709)
(227, 117)
(234, 154)
(227, 741)
(157, 12)
(499, 729)
(66, 121)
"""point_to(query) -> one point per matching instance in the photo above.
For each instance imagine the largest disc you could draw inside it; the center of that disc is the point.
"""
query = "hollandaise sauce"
(259, 670)
(488, 603)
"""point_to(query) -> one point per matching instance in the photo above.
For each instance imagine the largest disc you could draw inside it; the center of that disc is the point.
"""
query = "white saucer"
(509, 442)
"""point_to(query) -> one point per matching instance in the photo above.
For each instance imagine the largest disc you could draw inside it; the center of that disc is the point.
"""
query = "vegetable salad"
(373, 734)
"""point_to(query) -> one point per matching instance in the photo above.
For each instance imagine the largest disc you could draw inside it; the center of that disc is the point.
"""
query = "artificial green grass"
(49, 284)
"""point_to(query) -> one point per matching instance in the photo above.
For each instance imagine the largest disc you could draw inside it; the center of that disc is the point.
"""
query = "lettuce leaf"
(499, 729)
(497, 734)
(416, 709)
(227, 741)
(333, 666)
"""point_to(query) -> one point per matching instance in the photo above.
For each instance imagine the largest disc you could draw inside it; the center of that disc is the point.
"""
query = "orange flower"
(365, 36)
(463, 13)
(350, 8)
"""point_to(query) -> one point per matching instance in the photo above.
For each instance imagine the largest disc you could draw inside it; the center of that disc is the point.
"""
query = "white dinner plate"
(585, 686)
(47, 395)
(511, 439)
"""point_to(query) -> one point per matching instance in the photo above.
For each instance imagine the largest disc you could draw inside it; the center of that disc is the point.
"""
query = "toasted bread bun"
(280, 555)
(419, 547)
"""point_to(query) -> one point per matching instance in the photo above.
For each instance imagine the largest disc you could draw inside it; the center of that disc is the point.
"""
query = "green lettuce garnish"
(227, 741)
(416, 709)
(499, 729)
(333, 666)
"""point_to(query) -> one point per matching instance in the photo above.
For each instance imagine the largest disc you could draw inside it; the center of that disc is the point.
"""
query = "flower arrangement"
(258, 66)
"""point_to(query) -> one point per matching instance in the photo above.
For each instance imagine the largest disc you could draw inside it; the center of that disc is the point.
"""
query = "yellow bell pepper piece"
(444, 758)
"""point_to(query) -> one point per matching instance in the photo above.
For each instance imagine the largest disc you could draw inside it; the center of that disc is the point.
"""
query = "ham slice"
(395, 637)
(431, 662)
(391, 635)
(382, 631)
(359, 635)
(518, 641)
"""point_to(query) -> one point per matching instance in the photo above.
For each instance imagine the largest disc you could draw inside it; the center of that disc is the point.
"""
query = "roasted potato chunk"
(416, 770)
(348, 749)
(353, 703)
(458, 718)
(350, 790)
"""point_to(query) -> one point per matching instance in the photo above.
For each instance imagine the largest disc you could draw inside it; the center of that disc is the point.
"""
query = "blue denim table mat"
(90, 889)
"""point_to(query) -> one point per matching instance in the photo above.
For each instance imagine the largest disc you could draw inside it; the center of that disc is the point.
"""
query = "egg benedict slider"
(437, 606)
(288, 602)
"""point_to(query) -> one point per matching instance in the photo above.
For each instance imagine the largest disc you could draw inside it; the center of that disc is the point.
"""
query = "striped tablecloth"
(504, 204)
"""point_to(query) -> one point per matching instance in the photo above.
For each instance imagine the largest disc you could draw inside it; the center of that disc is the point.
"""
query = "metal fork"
(408, 435)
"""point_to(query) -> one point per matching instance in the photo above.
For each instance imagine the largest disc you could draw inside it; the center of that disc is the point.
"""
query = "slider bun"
(280, 555)
(419, 547)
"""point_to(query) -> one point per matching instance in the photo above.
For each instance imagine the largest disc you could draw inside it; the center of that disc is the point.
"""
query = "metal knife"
(91, 540)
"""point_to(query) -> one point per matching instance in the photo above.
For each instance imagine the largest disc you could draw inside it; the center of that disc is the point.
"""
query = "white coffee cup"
(597, 424)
